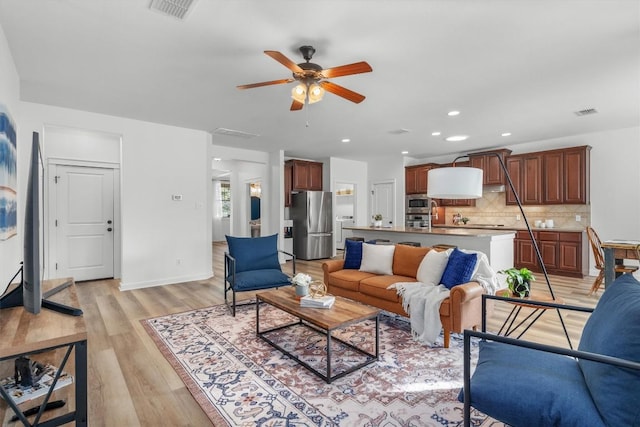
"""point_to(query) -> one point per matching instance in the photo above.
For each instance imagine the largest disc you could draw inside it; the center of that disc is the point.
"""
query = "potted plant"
(377, 220)
(301, 282)
(519, 280)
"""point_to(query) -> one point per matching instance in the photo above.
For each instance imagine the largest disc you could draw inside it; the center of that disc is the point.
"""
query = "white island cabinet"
(496, 244)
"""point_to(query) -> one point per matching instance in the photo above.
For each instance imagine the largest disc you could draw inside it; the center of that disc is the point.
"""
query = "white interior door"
(84, 222)
(383, 201)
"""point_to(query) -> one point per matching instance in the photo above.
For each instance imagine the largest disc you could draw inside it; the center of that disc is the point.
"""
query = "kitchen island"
(496, 244)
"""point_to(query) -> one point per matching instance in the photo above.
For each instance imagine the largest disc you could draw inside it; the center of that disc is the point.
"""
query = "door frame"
(51, 242)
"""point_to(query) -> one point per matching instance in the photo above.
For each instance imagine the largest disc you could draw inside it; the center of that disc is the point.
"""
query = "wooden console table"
(617, 249)
(23, 333)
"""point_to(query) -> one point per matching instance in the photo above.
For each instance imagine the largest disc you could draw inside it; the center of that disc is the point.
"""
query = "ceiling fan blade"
(284, 61)
(346, 70)
(296, 105)
(272, 82)
(342, 91)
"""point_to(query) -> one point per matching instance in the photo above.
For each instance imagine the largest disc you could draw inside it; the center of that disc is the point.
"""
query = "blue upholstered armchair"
(252, 264)
(522, 383)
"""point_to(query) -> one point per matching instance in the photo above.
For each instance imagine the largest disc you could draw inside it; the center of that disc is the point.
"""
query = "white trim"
(165, 281)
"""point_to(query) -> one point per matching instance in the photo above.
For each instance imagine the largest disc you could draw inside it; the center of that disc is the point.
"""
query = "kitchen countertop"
(444, 230)
(514, 228)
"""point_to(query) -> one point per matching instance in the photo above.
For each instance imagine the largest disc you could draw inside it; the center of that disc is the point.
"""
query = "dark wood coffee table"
(344, 312)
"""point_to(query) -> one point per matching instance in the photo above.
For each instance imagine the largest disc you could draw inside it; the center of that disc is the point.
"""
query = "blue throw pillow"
(254, 253)
(459, 268)
(353, 255)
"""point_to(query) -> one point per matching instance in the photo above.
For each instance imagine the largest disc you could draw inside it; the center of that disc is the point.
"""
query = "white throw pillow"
(432, 266)
(377, 259)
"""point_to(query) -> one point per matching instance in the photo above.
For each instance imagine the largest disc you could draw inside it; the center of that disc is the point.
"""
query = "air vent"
(176, 8)
(231, 132)
(585, 112)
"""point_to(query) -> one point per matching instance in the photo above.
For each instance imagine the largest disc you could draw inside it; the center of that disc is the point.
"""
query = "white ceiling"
(519, 66)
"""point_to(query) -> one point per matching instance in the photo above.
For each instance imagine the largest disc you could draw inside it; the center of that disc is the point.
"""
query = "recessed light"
(506, 134)
(217, 159)
(435, 133)
(456, 138)
(404, 152)
(453, 113)
(345, 140)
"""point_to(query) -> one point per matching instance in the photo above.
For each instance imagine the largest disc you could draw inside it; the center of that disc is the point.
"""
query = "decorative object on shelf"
(301, 281)
(377, 220)
(519, 281)
(464, 220)
(317, 289)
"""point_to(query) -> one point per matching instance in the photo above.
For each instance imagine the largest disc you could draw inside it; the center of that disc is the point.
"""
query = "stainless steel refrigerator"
(312, 217)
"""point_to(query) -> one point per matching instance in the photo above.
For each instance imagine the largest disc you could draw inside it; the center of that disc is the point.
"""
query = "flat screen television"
(29, 293)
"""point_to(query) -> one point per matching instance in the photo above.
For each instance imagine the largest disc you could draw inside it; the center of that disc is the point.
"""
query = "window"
(223, 199)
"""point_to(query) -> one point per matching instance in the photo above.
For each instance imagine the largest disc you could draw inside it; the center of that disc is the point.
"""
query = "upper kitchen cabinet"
(551, 177)
(525, 171)
(493, 174)
(301, 175)
(566, 176)
(415, 178)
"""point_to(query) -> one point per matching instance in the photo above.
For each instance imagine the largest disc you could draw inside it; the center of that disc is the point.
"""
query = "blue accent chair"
(252, 264)
(523, 383)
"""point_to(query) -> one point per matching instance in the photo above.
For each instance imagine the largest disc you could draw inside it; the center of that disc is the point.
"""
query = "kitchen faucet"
(432, 204)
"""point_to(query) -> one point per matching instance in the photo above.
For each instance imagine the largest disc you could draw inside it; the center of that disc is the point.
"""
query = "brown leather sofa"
(461, 310)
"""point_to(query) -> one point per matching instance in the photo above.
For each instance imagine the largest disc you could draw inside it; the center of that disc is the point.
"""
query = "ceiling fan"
(311, 78)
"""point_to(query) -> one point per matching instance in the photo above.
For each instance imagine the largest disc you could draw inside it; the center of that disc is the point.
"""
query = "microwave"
(417, 203)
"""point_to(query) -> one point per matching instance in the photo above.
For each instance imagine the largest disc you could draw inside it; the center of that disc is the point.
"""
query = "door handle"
(109, 222)
(109, 229)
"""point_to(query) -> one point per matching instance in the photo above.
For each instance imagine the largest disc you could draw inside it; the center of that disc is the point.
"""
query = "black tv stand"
(14, 298)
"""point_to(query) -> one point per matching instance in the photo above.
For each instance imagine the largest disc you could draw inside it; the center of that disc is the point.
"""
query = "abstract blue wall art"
(8, 176)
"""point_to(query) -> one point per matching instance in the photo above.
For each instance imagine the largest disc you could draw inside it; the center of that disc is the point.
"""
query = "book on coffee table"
(317, 302)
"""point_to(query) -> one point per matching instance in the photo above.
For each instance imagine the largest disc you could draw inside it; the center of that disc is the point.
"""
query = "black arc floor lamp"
(458, 182)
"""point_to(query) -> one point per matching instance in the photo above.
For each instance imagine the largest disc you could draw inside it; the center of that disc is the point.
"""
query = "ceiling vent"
(231, 132)
(176, 8)
(585, 112)
(399, 131)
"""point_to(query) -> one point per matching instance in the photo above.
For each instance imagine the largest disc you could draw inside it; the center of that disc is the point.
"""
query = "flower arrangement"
(301, 279)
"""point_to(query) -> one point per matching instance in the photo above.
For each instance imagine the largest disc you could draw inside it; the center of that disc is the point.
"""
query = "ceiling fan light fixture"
(299, 92)
(316, 92)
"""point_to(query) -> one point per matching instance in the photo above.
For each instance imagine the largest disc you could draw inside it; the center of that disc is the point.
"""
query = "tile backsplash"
(491, 209)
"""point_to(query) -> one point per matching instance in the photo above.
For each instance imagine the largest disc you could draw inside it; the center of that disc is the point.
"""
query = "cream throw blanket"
(422, 300)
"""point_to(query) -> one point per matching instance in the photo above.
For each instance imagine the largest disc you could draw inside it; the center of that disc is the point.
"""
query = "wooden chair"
(598, 255)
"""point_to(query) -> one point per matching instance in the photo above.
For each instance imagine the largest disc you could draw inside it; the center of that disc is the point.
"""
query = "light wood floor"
(130, 382)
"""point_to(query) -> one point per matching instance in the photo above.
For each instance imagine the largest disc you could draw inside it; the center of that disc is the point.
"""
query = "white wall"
(11, 249)
(163, 241)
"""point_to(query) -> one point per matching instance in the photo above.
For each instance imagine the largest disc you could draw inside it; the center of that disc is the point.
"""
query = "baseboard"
(162, 282)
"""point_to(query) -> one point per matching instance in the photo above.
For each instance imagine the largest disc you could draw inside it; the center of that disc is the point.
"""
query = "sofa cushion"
(557, 397)
(407, 259)
(460, 267)
(348, 279)
(432, 266)
(254, 253)
(259, 279)
(377, 259)
(376, 286)
(613, 329)
(353, 254)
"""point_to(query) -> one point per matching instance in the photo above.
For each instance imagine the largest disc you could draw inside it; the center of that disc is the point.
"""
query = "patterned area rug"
(240, 380)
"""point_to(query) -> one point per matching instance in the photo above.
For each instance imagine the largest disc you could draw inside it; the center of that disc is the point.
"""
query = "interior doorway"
(383, 202)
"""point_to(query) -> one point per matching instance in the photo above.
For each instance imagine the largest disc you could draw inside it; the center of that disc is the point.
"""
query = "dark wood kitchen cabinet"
(301, 175)
(564, 253)
(554, 177)
(415, 178)
(493, 174)
(525, 171)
